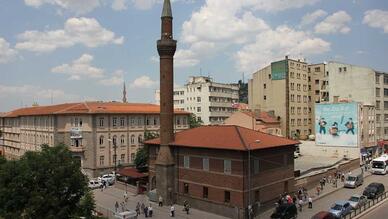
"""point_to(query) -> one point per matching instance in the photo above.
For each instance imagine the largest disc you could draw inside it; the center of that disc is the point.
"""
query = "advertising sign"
(278, 70)
(336, 124)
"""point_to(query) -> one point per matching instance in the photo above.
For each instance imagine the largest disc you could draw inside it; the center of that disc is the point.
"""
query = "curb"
(371, 209)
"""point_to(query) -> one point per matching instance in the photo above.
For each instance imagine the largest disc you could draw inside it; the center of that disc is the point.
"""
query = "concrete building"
(212, 163)
(258, 121)
(282, 87)
(211, 102)
(90, 129)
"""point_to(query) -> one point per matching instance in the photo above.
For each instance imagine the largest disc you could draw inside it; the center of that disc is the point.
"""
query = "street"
(379, 212)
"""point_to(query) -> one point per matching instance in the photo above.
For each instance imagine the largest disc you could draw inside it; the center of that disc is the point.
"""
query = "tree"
(194, 122)
(141, 157)
(45, 184)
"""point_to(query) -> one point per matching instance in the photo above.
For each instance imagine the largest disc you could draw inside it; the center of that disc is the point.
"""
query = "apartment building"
(283, 87)
(100, 134)
(209, 101)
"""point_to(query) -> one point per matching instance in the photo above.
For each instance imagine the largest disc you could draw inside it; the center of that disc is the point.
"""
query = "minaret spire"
(124, 93)
(166, 9)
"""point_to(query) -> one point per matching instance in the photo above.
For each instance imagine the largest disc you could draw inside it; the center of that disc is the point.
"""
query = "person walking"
(138, 209)
(310, 202)
(125, 196)
(172, 211)
(145, 209)
(186, 206)
(116, 206)
(150, 211)
(318, 190)
(160, 201)
(300, 203)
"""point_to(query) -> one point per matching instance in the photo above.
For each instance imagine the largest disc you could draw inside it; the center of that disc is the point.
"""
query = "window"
(292, 86)
(378, 105)
(205, 192)
(265, 97)
(186, 161)
(265, 86)
(298, 98)
(114, 123)
(378, 92)
(292, 97)
(80, 122)
(76, 122)
(269, 76)
(133, 157)
(385, 92)
(385, 131)
(101, 140)
(132, 139)
(386, 117)
(122, 140)
(205, 164)
(378, 117)
(377, 79)
(385, 79)
(340, 69)
(186, 188)
(198, 99)
(298, 75)
(102, 160)
(122, 121)
(257, 196)
(226, 196)
(292, 110)
(298, 110)
(317, 82)
(344, 69)
(317, 69)
(101, 122)
(298, 87)
(122, 158)
(227, 166)
(198, 109)
(140, 139)
(385, 104)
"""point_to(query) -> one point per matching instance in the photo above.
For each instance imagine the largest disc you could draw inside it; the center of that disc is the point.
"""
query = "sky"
(55, 51)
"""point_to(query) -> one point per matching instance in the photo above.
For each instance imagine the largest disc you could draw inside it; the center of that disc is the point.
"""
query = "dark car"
(374, 190)
(323, 215)
(285, 211)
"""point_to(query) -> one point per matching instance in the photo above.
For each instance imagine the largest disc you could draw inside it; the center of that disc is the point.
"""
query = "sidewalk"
(109, 196)
(327, 190)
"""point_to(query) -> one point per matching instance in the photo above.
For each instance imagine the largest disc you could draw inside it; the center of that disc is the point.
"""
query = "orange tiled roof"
(230, 137)
(90, 108)
(263, 116)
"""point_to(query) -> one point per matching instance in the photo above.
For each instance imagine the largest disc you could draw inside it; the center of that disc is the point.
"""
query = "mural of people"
(322, 126)
(350, 126)
(334, 129)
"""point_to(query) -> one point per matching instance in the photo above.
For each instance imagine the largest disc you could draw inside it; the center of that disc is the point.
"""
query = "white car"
(94, 184)
(108, 178)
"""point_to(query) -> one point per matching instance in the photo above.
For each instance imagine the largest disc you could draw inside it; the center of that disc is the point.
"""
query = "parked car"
(126, 215)
(340, 209)
(108, 178)
(354, 179)
(285, 211)
(374, 190)
(357, 201)
(323, 215)
(94, 184)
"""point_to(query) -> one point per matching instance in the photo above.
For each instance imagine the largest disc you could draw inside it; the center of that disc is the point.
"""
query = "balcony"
(78, 149)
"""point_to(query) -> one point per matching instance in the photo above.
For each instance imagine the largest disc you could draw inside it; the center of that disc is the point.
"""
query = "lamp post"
(249, 178)
(114, 153)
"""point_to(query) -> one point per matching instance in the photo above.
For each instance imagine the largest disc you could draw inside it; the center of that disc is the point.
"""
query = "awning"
(132, 173)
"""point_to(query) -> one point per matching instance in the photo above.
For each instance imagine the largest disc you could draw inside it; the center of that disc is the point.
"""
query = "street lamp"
(114, 153)
(249, 178)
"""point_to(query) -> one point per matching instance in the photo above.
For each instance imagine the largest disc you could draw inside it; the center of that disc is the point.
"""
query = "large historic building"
(100, 134)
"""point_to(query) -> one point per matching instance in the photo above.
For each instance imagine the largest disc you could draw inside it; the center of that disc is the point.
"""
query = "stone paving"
(106, 200)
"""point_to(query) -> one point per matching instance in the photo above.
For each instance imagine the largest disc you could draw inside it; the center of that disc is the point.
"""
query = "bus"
(380, 165)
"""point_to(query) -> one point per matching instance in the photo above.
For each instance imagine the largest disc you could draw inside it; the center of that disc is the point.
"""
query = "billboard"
(336, 124)
(279, 70)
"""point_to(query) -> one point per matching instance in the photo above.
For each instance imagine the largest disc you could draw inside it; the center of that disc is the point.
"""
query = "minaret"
(124, 93)
(164, 165)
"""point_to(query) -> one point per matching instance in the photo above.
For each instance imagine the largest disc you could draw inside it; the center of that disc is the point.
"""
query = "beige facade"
(285, 91)
(90, 133)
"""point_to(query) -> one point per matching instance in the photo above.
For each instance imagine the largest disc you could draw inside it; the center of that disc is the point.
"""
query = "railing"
(366, 206)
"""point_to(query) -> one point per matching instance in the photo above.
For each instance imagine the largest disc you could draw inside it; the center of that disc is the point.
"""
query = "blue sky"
(65, 50)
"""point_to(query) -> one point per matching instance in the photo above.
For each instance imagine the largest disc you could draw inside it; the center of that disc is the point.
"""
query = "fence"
(366, 206)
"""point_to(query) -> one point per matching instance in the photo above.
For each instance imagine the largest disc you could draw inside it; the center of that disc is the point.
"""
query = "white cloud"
(119, 5)
(334, 23)
(80, 69)
(377, 19)
(312, 17)
(76, 6)
(271, 45)
(35, 92)
(116, 79)
(86, 31)
(143, 82)
(148, 4)
(7, 54)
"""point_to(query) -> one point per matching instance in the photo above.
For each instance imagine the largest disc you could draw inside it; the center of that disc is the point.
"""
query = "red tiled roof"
(89, 108)
(230, 137)
(264, 116)
(131, 172)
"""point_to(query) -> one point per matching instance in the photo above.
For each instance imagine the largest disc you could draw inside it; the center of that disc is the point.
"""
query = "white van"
(354, 179)
(126, 215)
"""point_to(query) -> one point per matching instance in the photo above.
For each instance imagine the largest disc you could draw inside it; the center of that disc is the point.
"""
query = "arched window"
(101, 140)
(122, 140)
(132, 139)
(114, 140)
(140, 139)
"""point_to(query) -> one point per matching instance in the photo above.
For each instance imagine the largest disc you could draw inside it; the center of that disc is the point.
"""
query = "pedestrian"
(318, 190)
(122, 206)
(329, 179)
(294, 199)
(116, 206)
(150, 210)
(366, 167)
(300, 205)
(321, 183)
(186, 206)
(138, 209)
(172, 211)
(324, 180)
(343, 177)
(310, 202)
(145, 210)
(101, 187)
(336, 183)
(160, 201)
(125, 196)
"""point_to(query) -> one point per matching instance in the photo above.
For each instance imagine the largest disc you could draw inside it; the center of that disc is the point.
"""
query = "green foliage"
(45, 184)
(194, 122)
(148, 135)
(141, 157)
